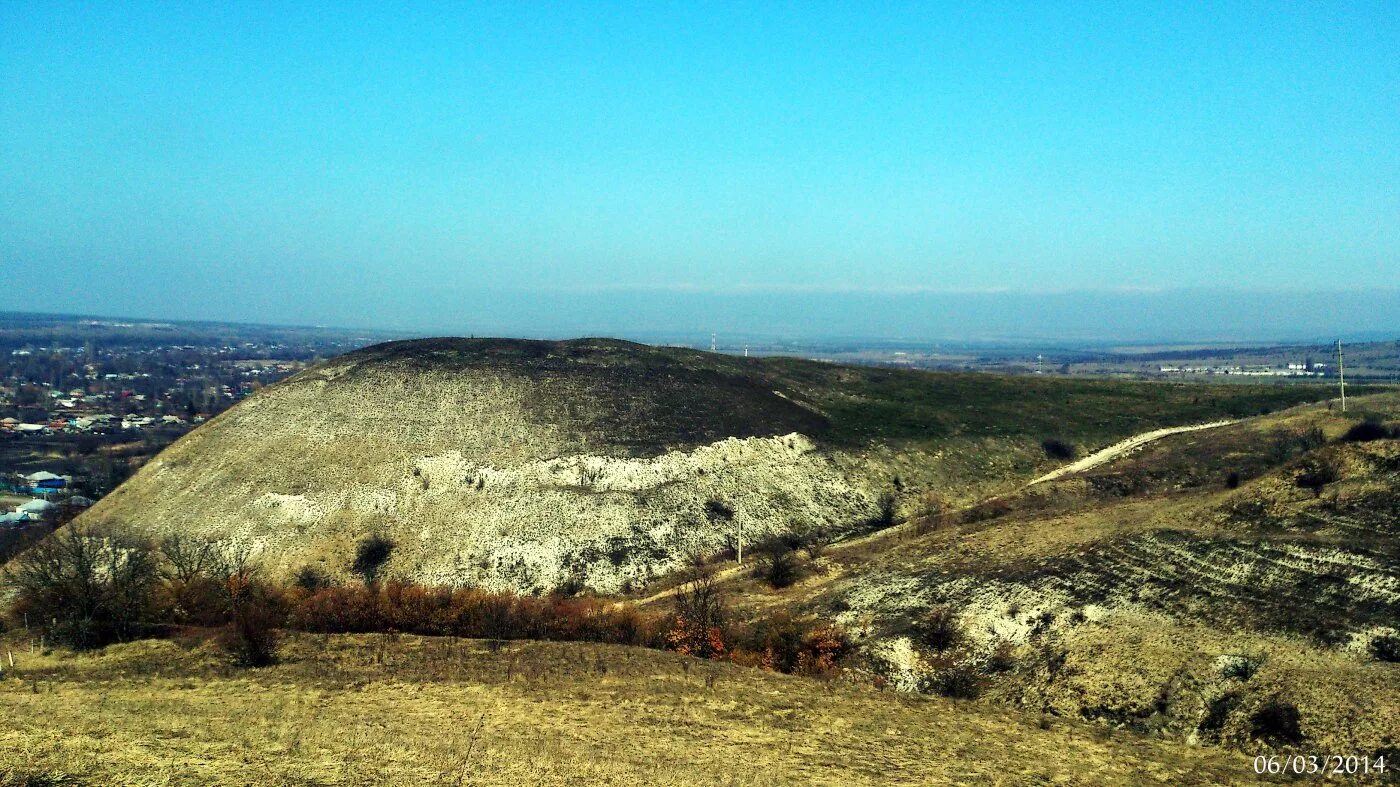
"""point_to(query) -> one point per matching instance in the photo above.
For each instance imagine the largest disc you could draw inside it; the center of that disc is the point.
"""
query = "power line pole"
(1341, 375)
(712, 342)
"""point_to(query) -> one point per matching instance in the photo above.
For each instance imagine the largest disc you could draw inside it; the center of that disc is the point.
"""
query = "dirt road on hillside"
(1118, 449)
(1091, 461)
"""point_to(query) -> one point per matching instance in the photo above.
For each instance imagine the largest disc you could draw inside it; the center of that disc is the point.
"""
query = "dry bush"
(1057, 448)
(939, 630)
(814, 539)
(698, 625)
(251, 636)
(1369, 430)
(1385, 647)
(1317, 473)
(476, 614)
(886, 512)
(961, 682)
(783, 644)
(370, 556)
(85, 588)
(777, 565)
(1288, 443)
(994, 508)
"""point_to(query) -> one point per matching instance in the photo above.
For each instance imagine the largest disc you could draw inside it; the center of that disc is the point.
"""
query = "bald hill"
(529, 465)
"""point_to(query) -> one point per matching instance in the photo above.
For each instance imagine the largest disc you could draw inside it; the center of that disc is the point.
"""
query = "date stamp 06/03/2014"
(1321, 764)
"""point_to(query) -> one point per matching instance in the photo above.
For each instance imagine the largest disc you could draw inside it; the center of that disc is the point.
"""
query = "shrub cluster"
(86, 589)
(1288, 443)
(466, 612)
(784, 644)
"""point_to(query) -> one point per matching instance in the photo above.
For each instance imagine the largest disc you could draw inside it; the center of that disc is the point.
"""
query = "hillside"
(1238, 586)
(530, 465)
(360, 710)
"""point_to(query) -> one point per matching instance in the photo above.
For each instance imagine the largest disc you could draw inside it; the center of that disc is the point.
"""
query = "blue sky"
(430, 166)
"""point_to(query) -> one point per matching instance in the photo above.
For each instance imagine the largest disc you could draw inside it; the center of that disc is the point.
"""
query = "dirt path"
(1091, 461)
(1118, 449)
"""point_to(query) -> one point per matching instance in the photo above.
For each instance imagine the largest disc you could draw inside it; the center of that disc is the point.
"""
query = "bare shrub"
(1003, 658)
(311, 579)
(1317, 473)
(1276, 722)
(886, 512)
(994, 508)
(957, 682)
(1056, 448)
(193, 590)
(939, 630)
(1241, 666)
(88, 587)
(251, 637)
(1368, 430)
(698, 626)
(777, 565)
(815, 539)
(1288, 443)
(370, 556)
(784, 644)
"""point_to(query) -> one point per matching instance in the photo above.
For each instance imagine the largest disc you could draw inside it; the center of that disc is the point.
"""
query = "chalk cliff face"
(527, 465)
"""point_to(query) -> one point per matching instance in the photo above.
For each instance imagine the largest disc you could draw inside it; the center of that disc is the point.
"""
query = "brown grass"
(376, 709)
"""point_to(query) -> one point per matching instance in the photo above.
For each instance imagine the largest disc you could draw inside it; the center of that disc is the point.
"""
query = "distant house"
(79, 501)
(36, 508)
(9, 423)
(44, 482)
(14, 519)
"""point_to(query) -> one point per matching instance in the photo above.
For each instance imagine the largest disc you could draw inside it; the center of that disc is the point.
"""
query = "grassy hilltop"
(528, 465)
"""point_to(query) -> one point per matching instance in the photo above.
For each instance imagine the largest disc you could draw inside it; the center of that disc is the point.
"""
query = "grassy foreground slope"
(407, 710)
(529, 465)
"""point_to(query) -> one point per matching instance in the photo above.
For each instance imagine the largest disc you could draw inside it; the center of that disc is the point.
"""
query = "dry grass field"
(352, 710)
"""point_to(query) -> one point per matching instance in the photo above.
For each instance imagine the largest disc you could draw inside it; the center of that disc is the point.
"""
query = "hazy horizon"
(1085, 317)
(934, 171)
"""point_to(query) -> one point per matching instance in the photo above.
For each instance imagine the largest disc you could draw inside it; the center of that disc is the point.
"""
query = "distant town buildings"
(1287, 370)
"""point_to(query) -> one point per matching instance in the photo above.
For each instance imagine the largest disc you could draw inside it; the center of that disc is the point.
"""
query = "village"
(84, 403)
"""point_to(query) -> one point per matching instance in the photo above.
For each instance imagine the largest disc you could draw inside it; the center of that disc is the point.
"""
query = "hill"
(1238, 586)
(533, 465)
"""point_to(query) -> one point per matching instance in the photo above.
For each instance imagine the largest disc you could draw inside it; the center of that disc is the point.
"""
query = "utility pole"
(1341, 375)
(739, 542)
(712, 341)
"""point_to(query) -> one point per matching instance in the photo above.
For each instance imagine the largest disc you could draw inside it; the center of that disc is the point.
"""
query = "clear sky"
(434, 165)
